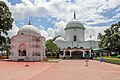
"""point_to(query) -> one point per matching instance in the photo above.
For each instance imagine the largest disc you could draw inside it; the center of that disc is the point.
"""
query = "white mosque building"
(27, 45)
(74, 44)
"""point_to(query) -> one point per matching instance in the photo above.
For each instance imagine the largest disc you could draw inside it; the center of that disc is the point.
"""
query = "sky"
(51, 16)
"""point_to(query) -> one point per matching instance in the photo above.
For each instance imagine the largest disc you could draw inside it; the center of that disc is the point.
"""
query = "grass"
(53, 60)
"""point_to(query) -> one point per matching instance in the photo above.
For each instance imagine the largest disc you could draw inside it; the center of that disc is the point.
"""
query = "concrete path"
(76, 70)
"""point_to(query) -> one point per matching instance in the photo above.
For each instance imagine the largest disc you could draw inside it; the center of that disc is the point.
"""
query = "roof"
(74, 24)
(29, 30)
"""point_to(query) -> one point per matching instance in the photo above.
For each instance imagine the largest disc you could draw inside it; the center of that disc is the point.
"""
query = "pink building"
(28, 45)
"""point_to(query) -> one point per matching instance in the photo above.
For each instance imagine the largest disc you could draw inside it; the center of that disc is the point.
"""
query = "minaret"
(29, 22)
(74, 15)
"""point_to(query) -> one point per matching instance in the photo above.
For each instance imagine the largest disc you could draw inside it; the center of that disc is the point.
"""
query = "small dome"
(29, 30)
(90, 39)
(60, 39)
(74, 24)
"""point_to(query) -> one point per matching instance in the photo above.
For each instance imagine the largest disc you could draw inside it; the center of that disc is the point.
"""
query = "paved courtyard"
(64, 70)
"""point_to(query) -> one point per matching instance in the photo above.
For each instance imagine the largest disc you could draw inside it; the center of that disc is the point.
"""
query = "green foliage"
(5, 24)
(5, 18)
(111, 38)
(118, 56)
(51, 47)
(110, 60)
(53, 60)
(6, 46)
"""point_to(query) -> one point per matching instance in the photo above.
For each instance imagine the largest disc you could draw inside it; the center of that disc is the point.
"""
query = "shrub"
(118, 56)
(110, 60)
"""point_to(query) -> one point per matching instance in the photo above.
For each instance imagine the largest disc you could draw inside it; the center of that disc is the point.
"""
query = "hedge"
(110, 60)
(118, 56)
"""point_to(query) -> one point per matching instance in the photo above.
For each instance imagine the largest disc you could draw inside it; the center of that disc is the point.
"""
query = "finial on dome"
(29, 22)
(74, 15)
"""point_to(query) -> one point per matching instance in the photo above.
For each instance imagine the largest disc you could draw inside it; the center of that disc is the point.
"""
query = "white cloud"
(42, 8)
(39, 19)
(116, 16)
(59, 28)
(86, 10)
(94, 31)
(44, 33)
(13, 31)
(41, 27)
(62, 9)
(100, 21)
(50, 32)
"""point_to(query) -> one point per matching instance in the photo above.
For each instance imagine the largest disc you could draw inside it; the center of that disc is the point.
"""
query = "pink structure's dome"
(29, 30)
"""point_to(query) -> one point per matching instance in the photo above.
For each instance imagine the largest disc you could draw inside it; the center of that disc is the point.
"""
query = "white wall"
(70, 34)
(84, 44)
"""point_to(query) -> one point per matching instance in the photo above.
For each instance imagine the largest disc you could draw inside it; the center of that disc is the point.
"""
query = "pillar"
(90, 54)
(83, 54)
(64, 54)
(70, 54)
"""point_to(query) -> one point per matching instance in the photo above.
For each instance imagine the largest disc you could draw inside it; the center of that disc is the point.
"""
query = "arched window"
(75, 47)
(68, 47)
(81, 48)
(19, 52)
(75, 37)
(24, 53)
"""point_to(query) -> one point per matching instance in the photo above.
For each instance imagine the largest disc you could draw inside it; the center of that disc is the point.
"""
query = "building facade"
(74, 44)
(27, 45)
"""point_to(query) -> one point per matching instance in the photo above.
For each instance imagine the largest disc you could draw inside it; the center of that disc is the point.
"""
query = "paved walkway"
(64, 70)
(76, 70)
(18, 71)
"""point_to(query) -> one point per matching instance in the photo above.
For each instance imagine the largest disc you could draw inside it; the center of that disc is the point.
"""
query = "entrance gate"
(77, 55)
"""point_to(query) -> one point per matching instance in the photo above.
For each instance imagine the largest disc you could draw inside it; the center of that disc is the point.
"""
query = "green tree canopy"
(111, 38)
(6, 21)
(51, 46)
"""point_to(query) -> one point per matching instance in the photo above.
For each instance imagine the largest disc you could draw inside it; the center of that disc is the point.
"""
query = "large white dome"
(74, 24)
(29, 30)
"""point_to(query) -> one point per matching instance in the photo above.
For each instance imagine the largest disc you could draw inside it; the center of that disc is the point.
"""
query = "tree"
(6, 47)
(111, 38)
(6, 21)
(51, 46)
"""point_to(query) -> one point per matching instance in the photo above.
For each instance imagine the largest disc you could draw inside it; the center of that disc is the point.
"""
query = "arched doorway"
(77, 55)
(67, 54)
(87, 54)
(22, 51)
